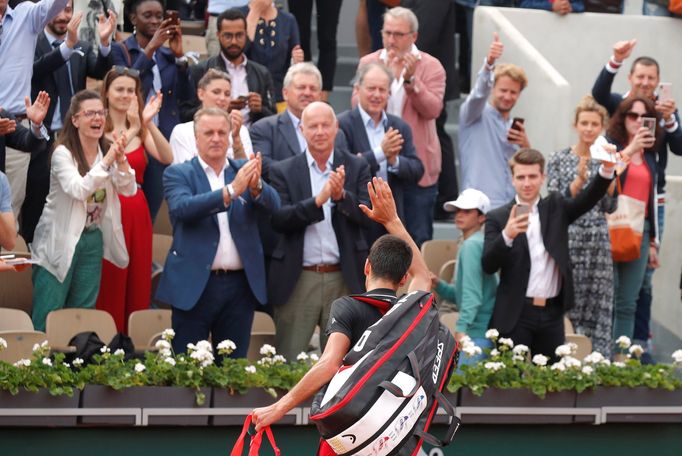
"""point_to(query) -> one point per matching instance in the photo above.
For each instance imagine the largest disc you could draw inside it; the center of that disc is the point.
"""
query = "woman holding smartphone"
(81, 222)
(125, 290)
(568, 171)
(638, 180)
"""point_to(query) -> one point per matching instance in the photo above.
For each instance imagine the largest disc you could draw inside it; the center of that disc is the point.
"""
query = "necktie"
(63, 80)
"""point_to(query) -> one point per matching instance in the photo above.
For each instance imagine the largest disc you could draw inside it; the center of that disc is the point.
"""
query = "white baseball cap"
(469, 199)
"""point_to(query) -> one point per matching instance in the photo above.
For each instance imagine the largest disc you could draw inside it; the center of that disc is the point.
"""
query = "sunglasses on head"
(125, 71)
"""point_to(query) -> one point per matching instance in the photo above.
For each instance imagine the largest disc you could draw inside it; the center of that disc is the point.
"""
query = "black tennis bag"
(385, 395)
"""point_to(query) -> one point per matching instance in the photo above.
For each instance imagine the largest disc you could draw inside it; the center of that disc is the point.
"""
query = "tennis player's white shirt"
(184, 145)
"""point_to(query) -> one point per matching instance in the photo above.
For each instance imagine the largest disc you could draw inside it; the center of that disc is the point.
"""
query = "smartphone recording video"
(522, 209)
(650, 124)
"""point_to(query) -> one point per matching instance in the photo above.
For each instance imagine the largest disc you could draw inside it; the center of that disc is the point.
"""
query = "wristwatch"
(231, 192)
(260, 185)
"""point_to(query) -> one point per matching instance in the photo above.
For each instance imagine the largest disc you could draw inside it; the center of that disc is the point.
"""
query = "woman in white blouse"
(81, 222)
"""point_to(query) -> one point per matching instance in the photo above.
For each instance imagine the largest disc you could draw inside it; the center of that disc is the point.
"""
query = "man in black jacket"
(61, 67)
(253, 90)
(527, 241)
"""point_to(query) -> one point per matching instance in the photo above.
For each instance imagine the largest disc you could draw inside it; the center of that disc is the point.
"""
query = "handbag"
(626, 225)
(675, 6)
(256, 440)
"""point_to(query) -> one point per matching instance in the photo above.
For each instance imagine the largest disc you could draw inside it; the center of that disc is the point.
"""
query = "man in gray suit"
(279, 137)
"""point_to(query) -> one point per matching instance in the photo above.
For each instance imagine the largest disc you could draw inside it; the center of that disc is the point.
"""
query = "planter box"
(41, 399)
(454, 400)
(633, 397)
(253, 398)
(144, 397)
(515, 398)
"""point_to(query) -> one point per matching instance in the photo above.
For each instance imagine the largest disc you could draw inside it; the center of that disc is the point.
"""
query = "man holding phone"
(488, 136)
(644, 80)
(526, 240)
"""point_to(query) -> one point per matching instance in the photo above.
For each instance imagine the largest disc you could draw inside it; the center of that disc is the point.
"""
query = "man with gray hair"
(214, 276)
(279, 137)
(417, 97)
(382, 139)
(322, 248)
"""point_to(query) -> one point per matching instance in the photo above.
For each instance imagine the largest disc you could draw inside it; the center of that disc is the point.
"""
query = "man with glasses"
(61, 67)
(253, 90)
(644, 79)
(417, 97)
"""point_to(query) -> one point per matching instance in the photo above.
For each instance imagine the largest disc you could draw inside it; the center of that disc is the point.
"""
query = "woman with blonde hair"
(125, 290)
(81, 222)
(568, 171)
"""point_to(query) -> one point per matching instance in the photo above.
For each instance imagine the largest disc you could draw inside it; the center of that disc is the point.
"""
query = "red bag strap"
(256, 440)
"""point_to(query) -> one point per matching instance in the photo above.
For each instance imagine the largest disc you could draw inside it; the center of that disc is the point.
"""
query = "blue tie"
(63, 79)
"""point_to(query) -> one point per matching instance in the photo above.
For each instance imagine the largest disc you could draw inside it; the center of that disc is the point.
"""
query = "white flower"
(250, 369)
(563, 350)
(36, 347)
(570, 362)
(520, 349)
(465, 339)
(471, 350)
(303, 356)
(677, 356)
(540, 360)
(268, 350)
(558, 366)
(519, 358)
(78, 362)
(264, 361)
(314, 358)
(23, 363)
(139, 368)
(162, 344)
(492, 334)
(66, 365)
(279, 359)
(204, 345)
(105, 349)
(587, 370)
(594, 358)
(636, 350)
(226, 347)
(169, 360)
(3, 344)
(119, 352)
(494, 366)
(494, 353)
(168, 334)
(204, 357)
(619, 364)
(623, 342)
(47, 362)
(506, 341)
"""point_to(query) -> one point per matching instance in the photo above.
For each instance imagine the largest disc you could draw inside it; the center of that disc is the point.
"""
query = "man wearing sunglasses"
(61, 67)
(644, 79)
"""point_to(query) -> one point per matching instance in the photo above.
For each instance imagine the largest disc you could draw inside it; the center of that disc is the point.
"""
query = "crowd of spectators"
(264, 182)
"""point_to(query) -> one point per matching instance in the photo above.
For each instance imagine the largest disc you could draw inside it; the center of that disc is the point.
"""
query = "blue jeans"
(643, 313)
(419, 204)
(628, 277)
(224, 310)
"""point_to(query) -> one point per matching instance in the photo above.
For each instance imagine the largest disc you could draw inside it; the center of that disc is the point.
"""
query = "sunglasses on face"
(125, 71)
(634, 115)
(91, 113)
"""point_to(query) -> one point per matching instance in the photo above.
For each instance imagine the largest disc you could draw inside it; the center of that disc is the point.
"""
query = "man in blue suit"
(280, 137)
(382, 139)
(214, 277)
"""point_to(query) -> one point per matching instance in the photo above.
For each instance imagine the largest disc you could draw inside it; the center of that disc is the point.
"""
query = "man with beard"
(488, 137)
(279, 137)
(162, 69)
(61, 67)
(253, 90)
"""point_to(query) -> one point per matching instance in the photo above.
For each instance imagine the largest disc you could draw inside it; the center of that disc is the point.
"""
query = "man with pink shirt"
(417, 97)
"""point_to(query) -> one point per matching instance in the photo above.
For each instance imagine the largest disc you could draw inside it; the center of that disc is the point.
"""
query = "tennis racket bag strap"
(387, 387)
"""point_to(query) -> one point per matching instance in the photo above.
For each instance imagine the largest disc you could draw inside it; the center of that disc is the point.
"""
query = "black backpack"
(385, 395)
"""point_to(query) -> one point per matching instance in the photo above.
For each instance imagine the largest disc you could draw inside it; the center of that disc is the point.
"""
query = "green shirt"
(473, 290)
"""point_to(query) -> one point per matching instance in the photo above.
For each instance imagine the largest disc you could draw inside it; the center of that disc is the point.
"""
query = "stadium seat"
(63, 324)
(15, 320)
(437, 252)
(449, 319)
(143, 325)
(16, 288)
(162, 224)
(161, 244)
(262, 332)
(20, 344)
(584, 344)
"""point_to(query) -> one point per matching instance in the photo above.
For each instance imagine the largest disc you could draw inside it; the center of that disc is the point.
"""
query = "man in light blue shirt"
(488, 137)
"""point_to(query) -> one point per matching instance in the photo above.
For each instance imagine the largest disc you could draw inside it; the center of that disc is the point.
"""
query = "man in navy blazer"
(279, 137)
(384, 140)
(322, 250)
(214, 277)
(161, 68)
